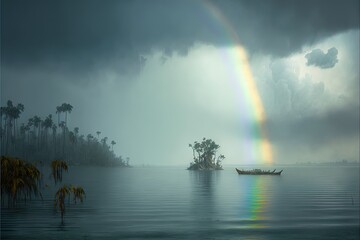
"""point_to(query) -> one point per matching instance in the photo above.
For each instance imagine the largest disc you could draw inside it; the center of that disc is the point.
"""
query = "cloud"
(330, 136)
(313, 115)
(317, 130)
(186, 98)
(322, 60)
(79, 51)
(80, 36)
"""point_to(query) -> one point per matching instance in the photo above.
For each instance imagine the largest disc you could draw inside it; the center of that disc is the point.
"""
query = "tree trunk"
(8, 135)
(39, 136)
(63, 151)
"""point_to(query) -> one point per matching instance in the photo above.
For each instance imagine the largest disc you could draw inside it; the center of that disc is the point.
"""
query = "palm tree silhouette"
(16, 111)
(98, 133)
(11, 113)
(36, 121)
(54, 128)
(112, 145)
(59, 110)
(32, 140)
(66, 108)
(48, 123)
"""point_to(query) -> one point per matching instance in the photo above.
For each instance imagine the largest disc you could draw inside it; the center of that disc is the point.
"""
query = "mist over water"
(134, 86)
(171, 203)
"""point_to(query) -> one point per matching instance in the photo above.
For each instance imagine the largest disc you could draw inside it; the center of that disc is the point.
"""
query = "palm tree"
(12, 113)
(2, 129)
(23, 130)
(73, 140)
(4, 132)
(64, 108)
(15, 112)
(54, 127)
(28, 126)
(37, 124)
(78, 192)
(76, 131)
(66, 191)
(89, 137)
(98, 133)
(104, 140)
(112, 145)
(59, 110)
(48, 123)
(67, 108)
(57, 168)
(7, 112)
(19, 179)
(60, 196)
(62, 125)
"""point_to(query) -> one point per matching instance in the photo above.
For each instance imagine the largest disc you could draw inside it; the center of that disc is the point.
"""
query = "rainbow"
(240, 72)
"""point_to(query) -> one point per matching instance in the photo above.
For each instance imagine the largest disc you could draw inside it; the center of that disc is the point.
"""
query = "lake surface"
(172, 203)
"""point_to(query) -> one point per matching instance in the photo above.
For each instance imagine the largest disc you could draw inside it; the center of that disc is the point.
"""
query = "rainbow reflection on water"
(254, 202)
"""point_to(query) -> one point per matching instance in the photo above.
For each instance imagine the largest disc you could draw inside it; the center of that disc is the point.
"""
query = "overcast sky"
(152, 76)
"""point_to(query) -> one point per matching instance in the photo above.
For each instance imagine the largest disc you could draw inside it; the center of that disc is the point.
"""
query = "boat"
(258, 172)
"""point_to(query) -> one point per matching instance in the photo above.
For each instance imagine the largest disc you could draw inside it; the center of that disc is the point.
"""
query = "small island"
(205, 156)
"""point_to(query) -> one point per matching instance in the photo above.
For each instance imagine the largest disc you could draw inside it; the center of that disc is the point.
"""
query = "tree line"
(45, 139)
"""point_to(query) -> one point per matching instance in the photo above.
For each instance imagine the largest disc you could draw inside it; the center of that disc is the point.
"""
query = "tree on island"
(205, 155)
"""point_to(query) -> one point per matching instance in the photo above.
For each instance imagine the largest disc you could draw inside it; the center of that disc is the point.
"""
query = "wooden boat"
(258, 172)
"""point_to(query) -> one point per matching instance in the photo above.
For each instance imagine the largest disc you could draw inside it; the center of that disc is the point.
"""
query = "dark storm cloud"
(317, 130)
(322, 60)
(81, 35)
(282, 27)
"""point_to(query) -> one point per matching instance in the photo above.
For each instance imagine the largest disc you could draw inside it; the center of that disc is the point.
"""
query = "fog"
(156, 83)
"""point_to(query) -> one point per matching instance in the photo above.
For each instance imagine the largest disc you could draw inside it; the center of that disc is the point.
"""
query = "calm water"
(172, 203)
